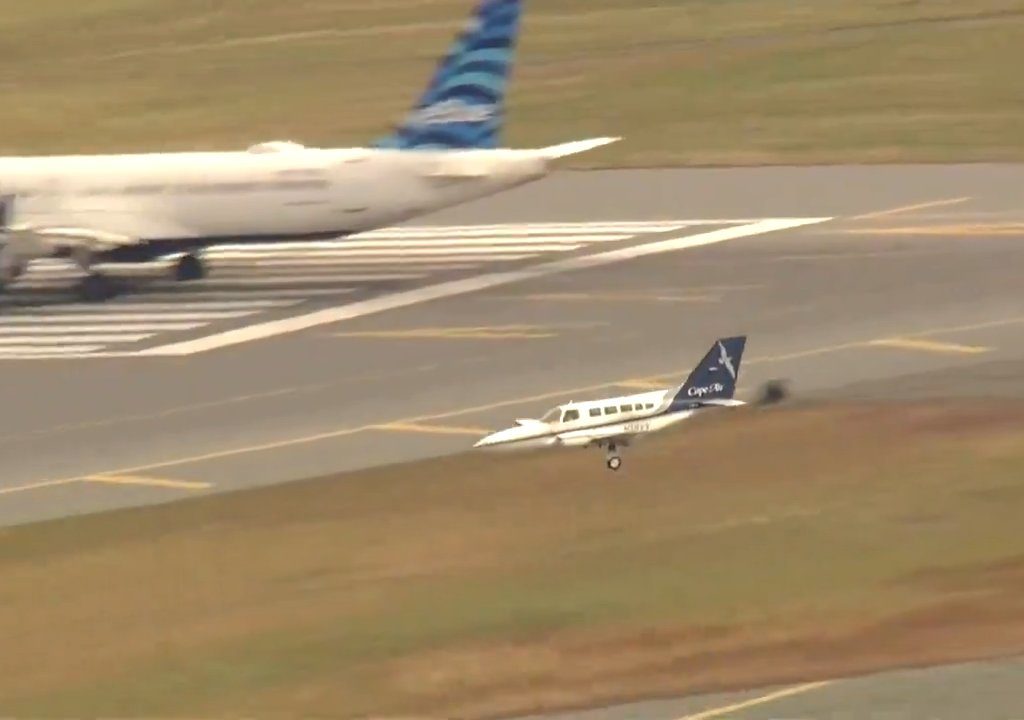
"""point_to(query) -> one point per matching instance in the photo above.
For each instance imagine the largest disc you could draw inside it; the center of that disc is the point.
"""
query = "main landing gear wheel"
(614, 462)
(96, 288)
(189, 268)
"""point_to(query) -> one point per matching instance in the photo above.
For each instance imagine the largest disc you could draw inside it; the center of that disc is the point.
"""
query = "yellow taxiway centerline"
(911, 208)
(910, 343)
(147, 482)
(459, 412)
(963, 230)
(499, 332)
(754, 702)
(613, 297)
(432, 429)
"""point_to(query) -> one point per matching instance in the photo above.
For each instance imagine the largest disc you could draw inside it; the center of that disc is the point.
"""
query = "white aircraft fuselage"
(186, 200)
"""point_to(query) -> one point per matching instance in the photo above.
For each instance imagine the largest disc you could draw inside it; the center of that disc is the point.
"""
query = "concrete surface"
(912, 290)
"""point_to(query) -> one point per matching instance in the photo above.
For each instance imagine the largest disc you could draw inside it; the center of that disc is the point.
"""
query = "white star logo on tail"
(724, 359)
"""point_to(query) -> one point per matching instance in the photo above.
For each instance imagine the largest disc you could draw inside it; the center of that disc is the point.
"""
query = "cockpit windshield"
(551, 415)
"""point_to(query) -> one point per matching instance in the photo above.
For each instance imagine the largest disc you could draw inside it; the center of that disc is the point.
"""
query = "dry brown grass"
(685, 82)
(756, 547)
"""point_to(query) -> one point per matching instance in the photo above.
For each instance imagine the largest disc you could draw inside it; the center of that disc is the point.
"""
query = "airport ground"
(908, 289)
(696, 82)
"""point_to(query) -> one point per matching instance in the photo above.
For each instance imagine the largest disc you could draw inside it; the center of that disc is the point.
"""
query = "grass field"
(684, 81)
(761, 546)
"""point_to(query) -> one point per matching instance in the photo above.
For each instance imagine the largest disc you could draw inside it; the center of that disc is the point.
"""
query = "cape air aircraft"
(613, 423)
(137, 208)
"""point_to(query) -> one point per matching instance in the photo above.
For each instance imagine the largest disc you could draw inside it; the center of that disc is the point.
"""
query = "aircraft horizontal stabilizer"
(576, 147)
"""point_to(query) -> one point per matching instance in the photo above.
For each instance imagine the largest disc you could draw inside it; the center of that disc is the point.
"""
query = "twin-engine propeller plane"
(613, 423)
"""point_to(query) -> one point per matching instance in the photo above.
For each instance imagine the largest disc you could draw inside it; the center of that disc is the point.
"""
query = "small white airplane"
(139, 208)
(613, 423)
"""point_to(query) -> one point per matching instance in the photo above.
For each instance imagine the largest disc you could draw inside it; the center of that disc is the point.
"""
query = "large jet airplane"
(613, 423)
(138, 208)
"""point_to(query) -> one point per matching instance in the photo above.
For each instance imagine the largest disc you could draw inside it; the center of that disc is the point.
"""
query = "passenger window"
(594, 412)
(571, 415)
(610, 411)
(627, 408)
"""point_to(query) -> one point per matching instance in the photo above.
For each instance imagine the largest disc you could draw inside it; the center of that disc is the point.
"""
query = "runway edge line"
(463, 286)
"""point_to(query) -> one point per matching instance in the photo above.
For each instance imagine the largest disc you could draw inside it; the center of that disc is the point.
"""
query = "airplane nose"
(484, 441)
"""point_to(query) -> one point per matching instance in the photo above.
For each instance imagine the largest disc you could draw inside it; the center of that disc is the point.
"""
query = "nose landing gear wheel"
(189, 268)
(614, 462)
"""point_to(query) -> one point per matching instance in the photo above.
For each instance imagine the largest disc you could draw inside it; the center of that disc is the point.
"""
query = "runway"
(988, 690)
(906, 284)
(911, 288)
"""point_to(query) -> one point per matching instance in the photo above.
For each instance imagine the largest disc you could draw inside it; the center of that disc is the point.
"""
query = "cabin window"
(610, 410)
(551, 415)
(595, 412)
(627, 408)
(571, 415)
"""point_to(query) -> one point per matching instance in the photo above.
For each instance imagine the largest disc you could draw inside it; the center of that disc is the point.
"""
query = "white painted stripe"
(467, 285)
(32, 341)
(137, 306)
(28, 301)
(323, 270)
(28, 352)
(527, 229)
(263, 279)
(119, 317)
(399, 251)
(388, 261)
(48, 329)
(435, 241)
(190, 292)
(422, 264)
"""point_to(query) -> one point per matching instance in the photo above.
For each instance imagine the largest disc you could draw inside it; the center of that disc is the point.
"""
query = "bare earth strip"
(761, 546)
(699, 82)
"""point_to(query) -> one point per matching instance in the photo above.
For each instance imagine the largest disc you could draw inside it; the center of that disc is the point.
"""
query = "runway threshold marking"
(912, 208)
(433, 429)
(419, 419)
(910, 343)
(754, 702)
(147, 482)
(451, 288)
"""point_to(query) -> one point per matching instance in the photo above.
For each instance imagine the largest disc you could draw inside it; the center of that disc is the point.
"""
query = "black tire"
(96, 288)
(614, 463)
(189, 268)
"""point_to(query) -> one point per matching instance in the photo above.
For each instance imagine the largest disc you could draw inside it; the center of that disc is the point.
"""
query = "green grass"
(727, 555)
(684, 81)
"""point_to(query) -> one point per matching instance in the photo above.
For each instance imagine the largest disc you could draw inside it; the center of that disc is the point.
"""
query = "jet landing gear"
(96, 288)
(189, 268)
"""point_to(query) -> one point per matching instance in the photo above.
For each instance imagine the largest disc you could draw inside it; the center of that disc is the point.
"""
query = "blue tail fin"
(715, 376)
(464, 106)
